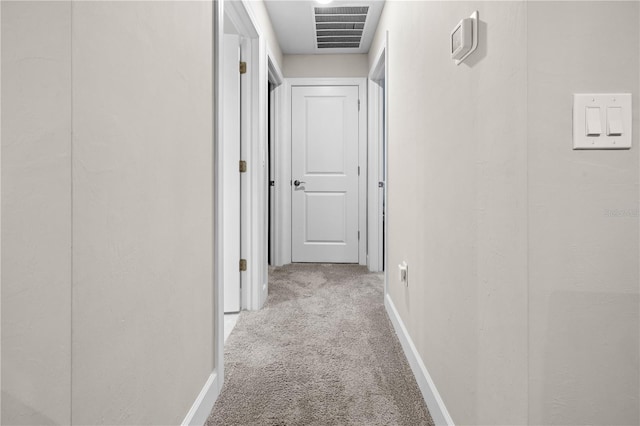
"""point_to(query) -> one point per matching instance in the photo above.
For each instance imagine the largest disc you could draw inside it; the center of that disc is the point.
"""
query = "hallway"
(500, 195)
(321, 352)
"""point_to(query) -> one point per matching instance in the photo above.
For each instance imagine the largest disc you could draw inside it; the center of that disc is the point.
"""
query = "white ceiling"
(295, 27)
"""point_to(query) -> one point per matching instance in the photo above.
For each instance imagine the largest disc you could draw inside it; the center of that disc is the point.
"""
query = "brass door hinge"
(243, 67)
(243, 264)
(243, 166)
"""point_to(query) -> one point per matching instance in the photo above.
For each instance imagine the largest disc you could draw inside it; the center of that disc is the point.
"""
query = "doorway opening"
(271, 172)
(276, 181)
(231, 190)
(322, 158)
(246, 69)
(377, 179)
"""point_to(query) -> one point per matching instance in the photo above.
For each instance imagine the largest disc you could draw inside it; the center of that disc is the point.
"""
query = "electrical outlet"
(403, 273)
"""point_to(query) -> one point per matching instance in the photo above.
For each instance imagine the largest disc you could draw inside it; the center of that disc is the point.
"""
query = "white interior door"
(231, 175)
(324, 173)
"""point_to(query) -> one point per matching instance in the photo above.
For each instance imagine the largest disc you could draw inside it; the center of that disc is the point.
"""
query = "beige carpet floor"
(321, 352)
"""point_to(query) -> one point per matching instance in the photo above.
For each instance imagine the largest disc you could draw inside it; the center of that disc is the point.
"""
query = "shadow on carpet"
(321, 352)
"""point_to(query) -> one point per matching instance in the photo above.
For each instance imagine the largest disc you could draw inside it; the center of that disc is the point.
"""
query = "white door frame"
(378, 131)
(275, 104)
(254, 238)
(200, 410)
(283, 159)
(238, 14)
(244, 21)
(242, 18)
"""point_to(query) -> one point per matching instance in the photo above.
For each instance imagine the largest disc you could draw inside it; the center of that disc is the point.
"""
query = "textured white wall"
(457, 202)
(523, 294)
(36, 212)
(132, 191)
(142, 176)
(348, 65)
(583, 261)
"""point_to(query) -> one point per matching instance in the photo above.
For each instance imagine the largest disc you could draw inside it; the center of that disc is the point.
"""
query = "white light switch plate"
(603, 101)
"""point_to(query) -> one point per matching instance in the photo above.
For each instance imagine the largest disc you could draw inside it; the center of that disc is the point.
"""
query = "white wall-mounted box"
(602, 121)
(463, 40)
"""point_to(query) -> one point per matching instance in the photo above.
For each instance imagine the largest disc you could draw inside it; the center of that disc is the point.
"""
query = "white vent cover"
(340, 27)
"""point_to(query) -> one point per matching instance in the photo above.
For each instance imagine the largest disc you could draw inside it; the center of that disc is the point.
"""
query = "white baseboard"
(202, 406)
(430, 394)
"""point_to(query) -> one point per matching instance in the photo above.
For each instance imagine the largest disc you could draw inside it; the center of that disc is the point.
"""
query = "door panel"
(231, 176)
(326, 214)
(325, 161)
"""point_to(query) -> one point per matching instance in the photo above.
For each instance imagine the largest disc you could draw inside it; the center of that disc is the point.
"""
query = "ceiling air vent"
(340, 27)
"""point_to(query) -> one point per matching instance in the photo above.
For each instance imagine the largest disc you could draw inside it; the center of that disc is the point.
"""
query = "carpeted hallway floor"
(321, 352)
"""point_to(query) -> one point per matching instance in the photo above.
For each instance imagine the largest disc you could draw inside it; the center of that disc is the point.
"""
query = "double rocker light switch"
(602, 121)
(613, 120)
